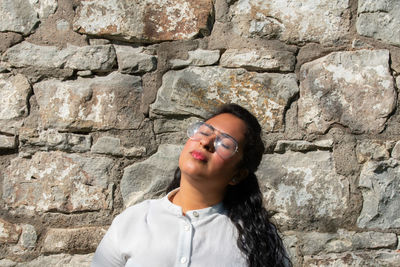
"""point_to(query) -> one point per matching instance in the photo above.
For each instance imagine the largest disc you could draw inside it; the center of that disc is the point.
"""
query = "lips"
(199, 156)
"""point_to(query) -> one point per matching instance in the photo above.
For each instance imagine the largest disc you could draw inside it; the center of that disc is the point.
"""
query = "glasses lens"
(199, 130)
(225, 146)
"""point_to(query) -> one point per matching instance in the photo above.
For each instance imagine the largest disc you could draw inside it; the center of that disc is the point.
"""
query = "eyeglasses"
(224, 144)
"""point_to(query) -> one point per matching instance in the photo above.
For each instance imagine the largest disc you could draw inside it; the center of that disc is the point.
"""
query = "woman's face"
(201, 164)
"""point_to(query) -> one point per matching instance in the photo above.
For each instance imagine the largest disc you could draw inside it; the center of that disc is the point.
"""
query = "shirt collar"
(192, 214)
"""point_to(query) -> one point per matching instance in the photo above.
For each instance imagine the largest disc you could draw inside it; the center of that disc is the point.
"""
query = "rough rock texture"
(369, 259)
(96, 97)
(380, 20)
(150, 177)
(262, 59)
(144, 21)
(197, 57)
(77, 240)
(134, 60)
(14, 93)
(55, 181)
(292, 21)
(295, 190)
(343, 88)
(96, 58)
(380, 185)
(197, 91)
(100, 103)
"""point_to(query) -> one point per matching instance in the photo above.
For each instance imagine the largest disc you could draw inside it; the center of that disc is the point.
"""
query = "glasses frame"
(218, 134)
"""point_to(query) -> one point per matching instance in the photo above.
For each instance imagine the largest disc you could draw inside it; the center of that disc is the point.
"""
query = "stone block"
(197, 57)
(108, 145)
(380, 183)
(18, 16)
(58, 182)
(260, 59)
(8, 39)
(301, 145)
(14, 93)
(151, 177)
(27, 240)
(100, 103)
(7, 142)
(98, 58)
(379, 19)
(58, 240)
(197, 91)
(323, 21)
(347, 259)
(354, 89)
(396, 151)
(58, 260)
(9, 232)
(303, 189)
(371, 150)
(134, 60)
(144, 21)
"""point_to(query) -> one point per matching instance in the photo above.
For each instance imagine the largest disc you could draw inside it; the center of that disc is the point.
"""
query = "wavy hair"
(258, 238)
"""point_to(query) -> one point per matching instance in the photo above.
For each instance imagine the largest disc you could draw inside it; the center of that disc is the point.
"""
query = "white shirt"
(155, 233)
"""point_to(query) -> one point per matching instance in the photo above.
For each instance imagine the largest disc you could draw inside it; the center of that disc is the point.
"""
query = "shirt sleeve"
(108, 253)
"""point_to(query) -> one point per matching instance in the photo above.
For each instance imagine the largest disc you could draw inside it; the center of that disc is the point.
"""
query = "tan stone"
(354, 89)
(144, 21)
(9, 233)
(56, 181)
(99, 103)
(77, 239)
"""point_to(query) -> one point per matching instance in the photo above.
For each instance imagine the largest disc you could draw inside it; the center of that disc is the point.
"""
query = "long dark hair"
(258, 238)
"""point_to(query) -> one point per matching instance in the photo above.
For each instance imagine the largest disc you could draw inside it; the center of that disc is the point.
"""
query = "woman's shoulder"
(137, 211)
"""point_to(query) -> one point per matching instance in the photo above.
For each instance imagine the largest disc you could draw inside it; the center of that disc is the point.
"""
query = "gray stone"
(100, 58)
(303, 189)
(7, 142)
(59, 240)
(84, 73)
(301, 145)
(388, 258)
(27, 54)
(27, 240)
(59, 260)
(379, 19)
(371, 150)
(44, 8)
(260, 59)
(354, 89)
(110, 102)
(151, 177)
(197, 57)
(343, 241)
(14, 95)
(197, 91)
(14, 92)
(396, 151)
(59, 182)
(8, 39)
(9, 232)
(108, 145)
(144, 21)
(94, 57)
(294, 21)
(53, 140)
(133, 60)
(380, 183)
(134, 151)
(17, 16)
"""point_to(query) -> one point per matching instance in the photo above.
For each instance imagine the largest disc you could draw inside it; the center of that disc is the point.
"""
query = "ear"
(239, 176)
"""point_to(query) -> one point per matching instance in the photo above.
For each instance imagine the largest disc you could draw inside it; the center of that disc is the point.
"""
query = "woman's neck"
(191, 197)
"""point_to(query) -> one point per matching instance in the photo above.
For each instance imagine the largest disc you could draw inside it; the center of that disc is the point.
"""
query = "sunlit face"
(199, 162)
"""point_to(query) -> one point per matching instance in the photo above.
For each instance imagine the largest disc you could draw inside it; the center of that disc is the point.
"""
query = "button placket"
(185, 243)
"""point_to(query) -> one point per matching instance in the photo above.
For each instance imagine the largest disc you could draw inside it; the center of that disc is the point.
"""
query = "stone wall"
(95, 97)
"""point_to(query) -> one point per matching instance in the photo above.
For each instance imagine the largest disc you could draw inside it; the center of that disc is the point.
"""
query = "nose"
(207, 142)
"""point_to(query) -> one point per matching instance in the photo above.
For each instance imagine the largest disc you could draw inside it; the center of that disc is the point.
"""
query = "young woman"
(213, 214)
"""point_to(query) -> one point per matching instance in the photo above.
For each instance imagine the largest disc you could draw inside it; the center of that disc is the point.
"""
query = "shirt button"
(195, 214)
(183, 260)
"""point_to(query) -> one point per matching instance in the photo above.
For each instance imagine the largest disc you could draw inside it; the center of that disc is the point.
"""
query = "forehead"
(229, 124)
